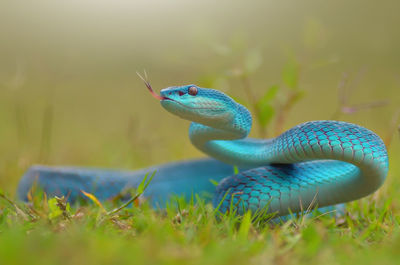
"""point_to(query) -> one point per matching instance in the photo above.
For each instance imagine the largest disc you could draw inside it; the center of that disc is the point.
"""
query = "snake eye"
(192, 91)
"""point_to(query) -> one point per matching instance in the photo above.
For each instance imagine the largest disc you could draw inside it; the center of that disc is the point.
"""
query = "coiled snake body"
(326, 162)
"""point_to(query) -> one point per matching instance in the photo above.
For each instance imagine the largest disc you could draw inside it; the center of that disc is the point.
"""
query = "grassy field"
(49, 231)
(69, 95)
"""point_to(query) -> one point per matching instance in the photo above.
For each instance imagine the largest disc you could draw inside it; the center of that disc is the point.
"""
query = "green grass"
(49, 231)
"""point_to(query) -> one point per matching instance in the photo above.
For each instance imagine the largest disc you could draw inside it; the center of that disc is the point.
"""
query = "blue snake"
(320, 162)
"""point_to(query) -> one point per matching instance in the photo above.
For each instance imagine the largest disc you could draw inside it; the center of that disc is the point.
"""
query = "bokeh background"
(69, 93)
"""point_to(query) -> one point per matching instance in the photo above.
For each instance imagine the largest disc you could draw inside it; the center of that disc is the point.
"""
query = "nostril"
(181, 93)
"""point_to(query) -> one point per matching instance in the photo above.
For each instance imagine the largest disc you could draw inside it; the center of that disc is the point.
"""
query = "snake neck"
(227, 141)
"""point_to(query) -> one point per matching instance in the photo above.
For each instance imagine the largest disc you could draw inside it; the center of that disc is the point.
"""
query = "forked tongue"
(154, 94)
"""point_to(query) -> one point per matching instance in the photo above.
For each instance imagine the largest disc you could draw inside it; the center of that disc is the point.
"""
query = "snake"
(322, 162)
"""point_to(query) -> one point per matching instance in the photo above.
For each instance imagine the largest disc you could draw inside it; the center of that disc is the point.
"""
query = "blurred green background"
(69, 93)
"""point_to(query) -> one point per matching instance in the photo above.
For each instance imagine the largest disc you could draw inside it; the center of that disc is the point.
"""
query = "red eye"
(192, 91)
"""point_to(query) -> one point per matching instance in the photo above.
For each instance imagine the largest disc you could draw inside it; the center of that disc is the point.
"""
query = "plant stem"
(112, 212)
(253, 102)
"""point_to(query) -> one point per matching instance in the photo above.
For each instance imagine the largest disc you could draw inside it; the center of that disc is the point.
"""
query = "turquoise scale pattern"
(353, 164)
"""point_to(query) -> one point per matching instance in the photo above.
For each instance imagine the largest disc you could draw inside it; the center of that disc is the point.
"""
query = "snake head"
(206, 106)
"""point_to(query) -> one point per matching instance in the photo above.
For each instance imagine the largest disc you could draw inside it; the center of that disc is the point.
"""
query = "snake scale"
(321, 162)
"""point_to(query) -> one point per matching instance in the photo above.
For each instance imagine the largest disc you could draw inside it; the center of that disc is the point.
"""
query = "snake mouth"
(189, 107)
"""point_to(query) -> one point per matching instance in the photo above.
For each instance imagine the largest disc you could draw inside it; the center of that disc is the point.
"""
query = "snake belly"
(320, 162)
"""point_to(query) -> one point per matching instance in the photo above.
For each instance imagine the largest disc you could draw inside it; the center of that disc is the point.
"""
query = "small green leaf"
(54, 210)
(148, 182)
(235, 170)
(290, 74)
(214, 182)
(265, 110)
(265, 114)
(145, 182)
(269, 95)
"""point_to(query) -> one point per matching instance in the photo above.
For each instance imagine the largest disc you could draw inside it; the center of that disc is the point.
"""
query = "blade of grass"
(18, 210)
(94, 199)
(141, 188)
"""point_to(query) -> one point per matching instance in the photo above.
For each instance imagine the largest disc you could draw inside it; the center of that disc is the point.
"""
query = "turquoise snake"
(326, 162)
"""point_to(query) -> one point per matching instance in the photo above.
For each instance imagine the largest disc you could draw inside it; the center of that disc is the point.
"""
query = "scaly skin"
(320, 162)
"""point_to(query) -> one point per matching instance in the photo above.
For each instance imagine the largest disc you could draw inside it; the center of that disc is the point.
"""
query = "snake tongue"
(154, 94)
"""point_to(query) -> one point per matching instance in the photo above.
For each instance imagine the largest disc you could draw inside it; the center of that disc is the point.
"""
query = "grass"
(50, 231)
